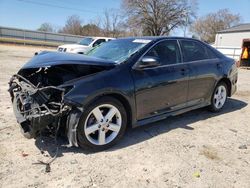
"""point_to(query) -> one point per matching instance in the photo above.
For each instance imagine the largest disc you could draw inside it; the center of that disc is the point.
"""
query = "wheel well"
(228, 83)
(124, 102)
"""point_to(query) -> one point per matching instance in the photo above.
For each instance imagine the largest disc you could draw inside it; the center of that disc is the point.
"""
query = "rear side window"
(166, 51)
(211, 54)
(194, 51)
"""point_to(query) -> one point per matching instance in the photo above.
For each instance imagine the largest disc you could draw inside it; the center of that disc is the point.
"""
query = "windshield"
(118, 50)
(86, 41)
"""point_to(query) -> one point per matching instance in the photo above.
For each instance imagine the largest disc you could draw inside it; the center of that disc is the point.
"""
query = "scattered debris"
(233, 130)
(24, 154)
(243, 147)
(197, 174)
(189, 146)
(47, 165)
(220, 171)
(246, 162)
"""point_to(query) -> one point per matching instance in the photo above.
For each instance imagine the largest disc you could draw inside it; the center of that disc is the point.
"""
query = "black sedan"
(126, 82)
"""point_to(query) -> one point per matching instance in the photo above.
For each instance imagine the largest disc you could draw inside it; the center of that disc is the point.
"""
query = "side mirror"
(148, 62)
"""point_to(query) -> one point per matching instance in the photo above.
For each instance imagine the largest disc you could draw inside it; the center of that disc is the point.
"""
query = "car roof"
(156, 38)
(100, 37)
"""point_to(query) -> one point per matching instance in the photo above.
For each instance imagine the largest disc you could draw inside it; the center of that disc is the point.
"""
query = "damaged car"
(126, 82)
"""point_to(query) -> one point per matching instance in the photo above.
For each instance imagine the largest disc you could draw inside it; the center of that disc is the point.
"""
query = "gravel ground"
(196, 149)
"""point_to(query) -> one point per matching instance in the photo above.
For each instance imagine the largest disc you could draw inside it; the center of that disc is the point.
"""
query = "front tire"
(102, 124)
(219, 97)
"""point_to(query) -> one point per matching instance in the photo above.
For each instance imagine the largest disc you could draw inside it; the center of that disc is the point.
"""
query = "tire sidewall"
(83, 142)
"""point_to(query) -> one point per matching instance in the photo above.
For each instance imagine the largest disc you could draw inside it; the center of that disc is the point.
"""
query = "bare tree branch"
(206, 27)
(158, 17)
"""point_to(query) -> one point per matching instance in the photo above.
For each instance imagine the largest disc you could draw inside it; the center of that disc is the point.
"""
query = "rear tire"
(102, 124)
(219, 97)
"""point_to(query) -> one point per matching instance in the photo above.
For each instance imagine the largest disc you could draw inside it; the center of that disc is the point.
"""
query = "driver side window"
(167, 52)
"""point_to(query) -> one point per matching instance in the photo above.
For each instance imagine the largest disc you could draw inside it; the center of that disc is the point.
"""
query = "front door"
(163, 88)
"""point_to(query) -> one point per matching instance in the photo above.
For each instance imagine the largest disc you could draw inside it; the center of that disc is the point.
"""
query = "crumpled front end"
(42, 92)
(35, 107)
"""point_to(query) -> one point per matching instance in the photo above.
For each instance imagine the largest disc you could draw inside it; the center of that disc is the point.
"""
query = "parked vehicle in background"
(84, 45)
(124, 82)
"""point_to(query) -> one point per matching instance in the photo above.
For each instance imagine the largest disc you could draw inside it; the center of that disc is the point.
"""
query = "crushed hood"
(47, 59)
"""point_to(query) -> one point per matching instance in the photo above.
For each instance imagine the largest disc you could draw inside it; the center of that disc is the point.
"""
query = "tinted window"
(210, 53)
(167, 52)
(86, 41)
(117, 50)
(99, 41)
(193, 51)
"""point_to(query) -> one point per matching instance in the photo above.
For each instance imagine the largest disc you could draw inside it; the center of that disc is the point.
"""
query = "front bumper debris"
(36, 107)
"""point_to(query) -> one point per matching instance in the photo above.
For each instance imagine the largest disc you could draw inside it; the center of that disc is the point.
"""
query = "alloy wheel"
(103, 124)
(220, 96)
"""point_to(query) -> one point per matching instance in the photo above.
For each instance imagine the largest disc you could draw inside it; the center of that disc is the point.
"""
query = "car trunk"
(245, 55)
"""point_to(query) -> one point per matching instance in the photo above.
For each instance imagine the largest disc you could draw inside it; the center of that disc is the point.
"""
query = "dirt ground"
(196, 149)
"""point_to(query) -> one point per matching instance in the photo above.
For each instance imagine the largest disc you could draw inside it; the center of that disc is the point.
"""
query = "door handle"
(184, 71)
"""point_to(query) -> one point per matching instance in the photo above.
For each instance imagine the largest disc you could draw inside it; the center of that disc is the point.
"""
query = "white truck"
(84, 45)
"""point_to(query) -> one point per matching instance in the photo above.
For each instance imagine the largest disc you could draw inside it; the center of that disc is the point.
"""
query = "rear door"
(163, 88)
(204, 67)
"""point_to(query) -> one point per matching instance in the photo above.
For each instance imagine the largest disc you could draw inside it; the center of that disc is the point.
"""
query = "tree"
(207, 26)
(73, 25)
(158, 17)
(46, 27)
(91, 30)
(111, 22)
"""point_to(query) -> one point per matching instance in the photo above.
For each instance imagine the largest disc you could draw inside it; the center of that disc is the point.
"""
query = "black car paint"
(148, 94)
(47, 58)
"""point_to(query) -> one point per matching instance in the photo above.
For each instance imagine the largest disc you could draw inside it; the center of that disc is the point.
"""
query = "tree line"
(150, 18)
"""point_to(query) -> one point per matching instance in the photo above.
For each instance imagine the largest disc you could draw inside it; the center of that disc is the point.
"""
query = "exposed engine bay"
(38, 97)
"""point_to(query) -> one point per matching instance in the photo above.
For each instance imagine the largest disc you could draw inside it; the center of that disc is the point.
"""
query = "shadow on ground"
(140, 134)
